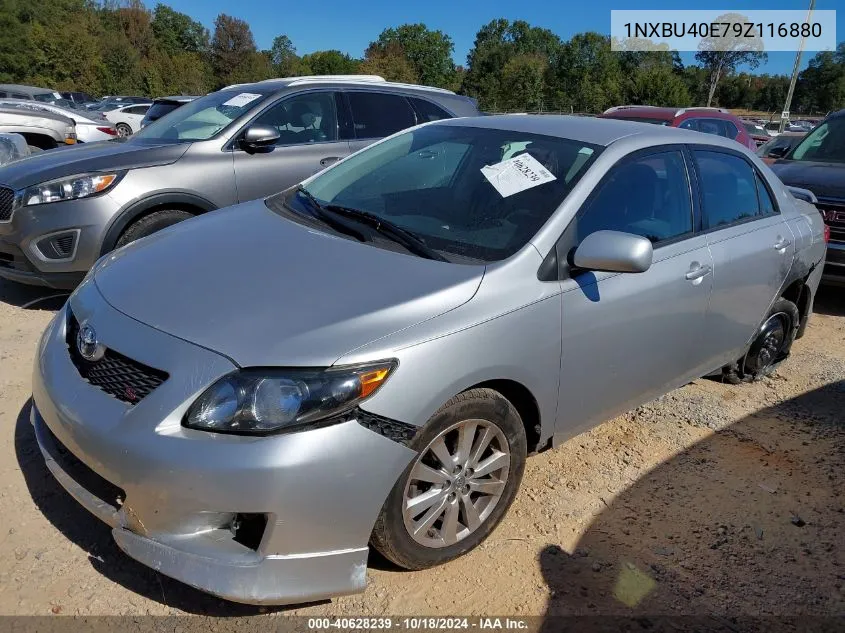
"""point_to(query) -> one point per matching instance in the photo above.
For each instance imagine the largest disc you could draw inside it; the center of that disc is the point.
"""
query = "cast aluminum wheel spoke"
(430, 517)
(496, 461)
(487, 486)
(421, 472)
(442, 453)
(466, 436)
(450, 523)
(480, 446)
(416, 505)
(470, 513)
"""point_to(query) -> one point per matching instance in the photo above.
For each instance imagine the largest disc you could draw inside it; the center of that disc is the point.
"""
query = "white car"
(90, 127)
(127, 119)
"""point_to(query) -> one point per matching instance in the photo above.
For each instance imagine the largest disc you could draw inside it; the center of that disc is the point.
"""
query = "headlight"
(262, 401)
(81, 186)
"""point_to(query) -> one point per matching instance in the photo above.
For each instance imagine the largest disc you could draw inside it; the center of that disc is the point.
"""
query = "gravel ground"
(713, 499)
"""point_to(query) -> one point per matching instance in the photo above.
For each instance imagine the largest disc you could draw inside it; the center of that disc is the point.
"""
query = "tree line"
(113, 47)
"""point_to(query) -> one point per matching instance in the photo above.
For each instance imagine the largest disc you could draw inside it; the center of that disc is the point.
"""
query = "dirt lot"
(715, 499)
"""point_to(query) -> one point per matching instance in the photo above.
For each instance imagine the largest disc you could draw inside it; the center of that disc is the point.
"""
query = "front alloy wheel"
(469, 464)
(456, 483)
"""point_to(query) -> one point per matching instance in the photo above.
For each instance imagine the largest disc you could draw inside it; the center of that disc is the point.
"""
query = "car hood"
(267, 291)
(87, 157)
(826, 180)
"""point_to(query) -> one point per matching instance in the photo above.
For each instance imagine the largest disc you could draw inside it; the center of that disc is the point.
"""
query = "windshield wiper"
(329, 219)
(389, 229)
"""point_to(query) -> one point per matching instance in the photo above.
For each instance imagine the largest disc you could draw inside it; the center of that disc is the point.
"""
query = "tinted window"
(159, 109)
(648, 196)
(712, 126)
(826, 143)
(730, 130)
(309, 117)
(430, 181)
(427, 111)
(137, 110)
(767, 205)
(16, 95)
(729, 188)
(377, 114)
(690, 124)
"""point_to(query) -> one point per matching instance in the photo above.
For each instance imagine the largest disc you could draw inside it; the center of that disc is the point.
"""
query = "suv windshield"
(201, 119)
(824, 144)
(454, 188)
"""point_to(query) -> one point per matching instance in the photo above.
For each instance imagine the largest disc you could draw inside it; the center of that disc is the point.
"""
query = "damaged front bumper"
(173, 496)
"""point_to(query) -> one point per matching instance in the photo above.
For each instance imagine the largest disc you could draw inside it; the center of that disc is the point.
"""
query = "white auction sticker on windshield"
(240, 100)
(517, 174)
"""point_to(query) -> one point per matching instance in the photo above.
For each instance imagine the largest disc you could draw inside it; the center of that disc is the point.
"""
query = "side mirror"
(614, 251)
(778, 152)
(259, 136)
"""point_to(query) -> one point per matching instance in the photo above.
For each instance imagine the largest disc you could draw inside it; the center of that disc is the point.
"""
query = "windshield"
(455, 187)
(825, 144)
(202, 118)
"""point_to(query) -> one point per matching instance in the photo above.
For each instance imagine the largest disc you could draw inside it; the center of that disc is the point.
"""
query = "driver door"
(308, 142)
(629, 337)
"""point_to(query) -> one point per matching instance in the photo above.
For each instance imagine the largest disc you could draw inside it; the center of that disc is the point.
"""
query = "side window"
(647, 196)
(15, 95)
(377, 114)
(137, 110)
(711, 126)
(689, 124)
(731, 130)
(310, 117)
(428, 111)
(729, 187)
(767, 205)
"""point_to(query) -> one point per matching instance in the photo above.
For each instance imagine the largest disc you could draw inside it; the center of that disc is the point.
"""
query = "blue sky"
(350, 26)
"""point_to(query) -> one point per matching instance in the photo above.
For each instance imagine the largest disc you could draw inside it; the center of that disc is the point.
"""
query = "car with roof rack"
(233, 145)
(718, 121)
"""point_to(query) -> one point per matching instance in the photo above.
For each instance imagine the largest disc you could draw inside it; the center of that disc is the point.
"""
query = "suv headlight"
(263, 401)
(70, 188)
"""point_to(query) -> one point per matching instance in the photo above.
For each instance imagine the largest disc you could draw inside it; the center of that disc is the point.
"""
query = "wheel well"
(174, 206)
(799, 293)
(40, 140)
(524, 403)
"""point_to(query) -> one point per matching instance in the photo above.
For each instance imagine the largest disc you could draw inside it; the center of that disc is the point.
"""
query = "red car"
(708, 120)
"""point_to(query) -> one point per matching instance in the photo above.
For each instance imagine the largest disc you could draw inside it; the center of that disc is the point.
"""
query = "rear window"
(160, 108)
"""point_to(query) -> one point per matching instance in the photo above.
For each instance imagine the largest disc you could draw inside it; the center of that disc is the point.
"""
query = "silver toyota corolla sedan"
(369, 357)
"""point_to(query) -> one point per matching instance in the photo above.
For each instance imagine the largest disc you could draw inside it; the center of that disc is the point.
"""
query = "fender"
(136, 209)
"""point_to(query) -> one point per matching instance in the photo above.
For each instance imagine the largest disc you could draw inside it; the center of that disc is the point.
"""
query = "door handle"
(698, 272)
(328, 160)
(781, 244)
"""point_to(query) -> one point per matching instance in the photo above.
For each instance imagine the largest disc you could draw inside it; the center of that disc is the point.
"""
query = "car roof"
(279, 83)
(592, 130)
(30, 90)
(41, 114)
(667, 113)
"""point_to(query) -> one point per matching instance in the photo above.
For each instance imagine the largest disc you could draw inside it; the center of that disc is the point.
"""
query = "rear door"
(309, 141)
(752, 248)
(629, 337)
(134, 115)
(375, 115)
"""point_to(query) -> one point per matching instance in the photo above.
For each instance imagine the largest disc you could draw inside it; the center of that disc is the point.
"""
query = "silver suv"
(59, 213)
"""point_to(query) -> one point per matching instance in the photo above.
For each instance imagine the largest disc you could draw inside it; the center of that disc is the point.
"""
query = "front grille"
(80, 472)
(834, 217)
(119, 376)
(7, 197)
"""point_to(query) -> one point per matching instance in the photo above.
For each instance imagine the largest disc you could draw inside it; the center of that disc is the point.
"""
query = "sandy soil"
(715, 499)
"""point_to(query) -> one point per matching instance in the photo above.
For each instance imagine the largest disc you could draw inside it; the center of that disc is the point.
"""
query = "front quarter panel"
(510, 330)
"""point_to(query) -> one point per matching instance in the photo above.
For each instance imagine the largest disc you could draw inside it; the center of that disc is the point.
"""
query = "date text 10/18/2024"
(418, 624)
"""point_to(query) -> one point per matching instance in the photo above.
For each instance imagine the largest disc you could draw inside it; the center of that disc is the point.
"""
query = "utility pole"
(784, 117)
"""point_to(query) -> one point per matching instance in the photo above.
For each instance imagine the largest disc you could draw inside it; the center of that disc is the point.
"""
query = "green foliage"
(429, 52)
(329, 63)
(177, 33)
(821, 87)
(390, 62)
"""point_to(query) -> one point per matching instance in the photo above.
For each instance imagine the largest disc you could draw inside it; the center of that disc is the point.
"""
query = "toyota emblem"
(89, 347)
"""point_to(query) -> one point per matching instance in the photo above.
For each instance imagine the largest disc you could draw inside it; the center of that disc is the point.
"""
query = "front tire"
(471, 457)
(151, 223)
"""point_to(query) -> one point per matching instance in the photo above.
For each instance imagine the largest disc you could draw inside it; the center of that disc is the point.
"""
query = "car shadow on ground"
(830, 300)
(32, 297)
(95, 538)
(747, 522)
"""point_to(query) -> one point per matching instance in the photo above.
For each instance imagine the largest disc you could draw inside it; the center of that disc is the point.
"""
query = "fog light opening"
(248, 529)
